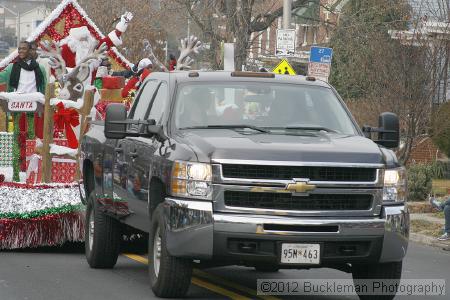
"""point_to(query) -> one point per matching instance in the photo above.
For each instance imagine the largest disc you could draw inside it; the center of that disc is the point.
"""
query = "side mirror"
(155, 130)
(389, 132)
(115, 121)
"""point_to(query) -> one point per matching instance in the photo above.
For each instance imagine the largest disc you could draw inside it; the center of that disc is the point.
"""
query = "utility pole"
(287, 8)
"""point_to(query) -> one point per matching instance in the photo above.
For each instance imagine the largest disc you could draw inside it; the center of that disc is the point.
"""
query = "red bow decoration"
(66, 118)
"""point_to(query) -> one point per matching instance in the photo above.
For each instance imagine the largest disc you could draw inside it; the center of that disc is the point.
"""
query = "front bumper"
(194, 231)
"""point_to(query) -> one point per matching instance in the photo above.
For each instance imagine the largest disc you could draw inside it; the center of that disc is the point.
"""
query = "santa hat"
(76, 33)
(144, 63)
(80, 32)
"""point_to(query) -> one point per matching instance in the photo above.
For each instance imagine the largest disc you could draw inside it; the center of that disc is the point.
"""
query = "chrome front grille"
(313, 173)
(262, 188)
(288, 201)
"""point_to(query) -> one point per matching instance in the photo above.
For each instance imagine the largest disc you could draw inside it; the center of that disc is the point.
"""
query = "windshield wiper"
(315, 128)
(229, 127)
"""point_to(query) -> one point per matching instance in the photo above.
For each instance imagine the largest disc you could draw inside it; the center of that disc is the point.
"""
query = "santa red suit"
(80, 42)
(78, 45)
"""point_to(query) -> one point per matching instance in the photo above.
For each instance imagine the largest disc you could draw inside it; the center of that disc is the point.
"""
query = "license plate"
(300, 254)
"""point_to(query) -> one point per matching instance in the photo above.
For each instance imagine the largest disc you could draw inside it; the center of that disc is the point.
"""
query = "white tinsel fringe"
(26, 200)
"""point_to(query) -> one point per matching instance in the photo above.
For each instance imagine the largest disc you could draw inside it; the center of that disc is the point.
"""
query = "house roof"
(57, 25)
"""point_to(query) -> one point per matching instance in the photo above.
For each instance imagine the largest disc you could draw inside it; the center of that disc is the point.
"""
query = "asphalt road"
(62, 273)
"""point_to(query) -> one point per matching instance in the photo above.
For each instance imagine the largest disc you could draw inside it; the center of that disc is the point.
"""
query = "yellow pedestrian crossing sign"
(284, 68)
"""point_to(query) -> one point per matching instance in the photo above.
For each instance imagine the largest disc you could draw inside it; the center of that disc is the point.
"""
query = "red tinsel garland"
(48, 230)
(23, 133)
(37, 186)
(73, 17)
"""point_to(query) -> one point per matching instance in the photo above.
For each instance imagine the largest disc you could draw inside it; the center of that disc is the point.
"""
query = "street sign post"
(285, 42)
(284, 67)
(320, 62)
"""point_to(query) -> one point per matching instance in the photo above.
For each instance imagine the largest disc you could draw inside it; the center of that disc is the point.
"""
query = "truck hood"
(216, 144)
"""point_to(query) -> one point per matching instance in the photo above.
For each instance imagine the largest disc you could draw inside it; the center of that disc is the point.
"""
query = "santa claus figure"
(80, 42)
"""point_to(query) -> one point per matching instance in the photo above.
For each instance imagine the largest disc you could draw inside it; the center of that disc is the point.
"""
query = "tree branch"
(262, 21)
(200, 24)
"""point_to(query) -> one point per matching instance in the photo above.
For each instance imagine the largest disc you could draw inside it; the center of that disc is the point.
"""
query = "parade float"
(39, 139)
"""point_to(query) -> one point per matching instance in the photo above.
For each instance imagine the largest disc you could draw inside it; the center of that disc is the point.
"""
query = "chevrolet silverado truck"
(240, 168)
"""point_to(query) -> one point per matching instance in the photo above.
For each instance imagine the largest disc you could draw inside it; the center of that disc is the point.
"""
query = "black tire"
(173, 278)
(103, 244)
(391, 272)
(267, 268)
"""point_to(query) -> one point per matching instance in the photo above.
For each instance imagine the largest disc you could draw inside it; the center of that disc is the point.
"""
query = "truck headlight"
(394, 189)
(191, 180)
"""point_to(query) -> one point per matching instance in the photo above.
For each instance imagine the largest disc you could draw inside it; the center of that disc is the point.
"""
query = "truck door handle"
(118, 149)
(134, 154)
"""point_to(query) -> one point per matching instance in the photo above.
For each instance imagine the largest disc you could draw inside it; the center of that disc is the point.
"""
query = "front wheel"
(102, 237)
(170, 277)
(389, 274)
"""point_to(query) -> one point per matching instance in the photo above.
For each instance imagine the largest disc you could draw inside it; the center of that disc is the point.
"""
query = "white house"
(31, 19)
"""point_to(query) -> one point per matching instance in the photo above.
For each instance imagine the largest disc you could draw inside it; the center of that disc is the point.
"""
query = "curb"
(428, 241)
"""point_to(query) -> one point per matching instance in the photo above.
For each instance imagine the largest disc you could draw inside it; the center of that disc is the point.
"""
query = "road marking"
(231, 284)
(137, 258)
(217, 289)
(197, 281)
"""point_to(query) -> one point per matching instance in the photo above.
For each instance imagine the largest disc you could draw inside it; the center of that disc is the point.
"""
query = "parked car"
(240, 168)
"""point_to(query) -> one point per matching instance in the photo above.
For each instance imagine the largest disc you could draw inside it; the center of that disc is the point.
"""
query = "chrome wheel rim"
(91, 229)
(157, 251)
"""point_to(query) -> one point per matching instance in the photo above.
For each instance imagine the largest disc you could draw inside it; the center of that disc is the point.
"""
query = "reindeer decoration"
(188, 46)
(72, 83)
(72, 100)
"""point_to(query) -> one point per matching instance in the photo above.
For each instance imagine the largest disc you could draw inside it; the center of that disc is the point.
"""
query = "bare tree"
(388, 56)
(142, 27)
(234, 21)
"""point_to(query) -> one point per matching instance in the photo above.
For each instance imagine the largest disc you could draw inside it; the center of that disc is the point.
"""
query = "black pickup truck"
(239, 168)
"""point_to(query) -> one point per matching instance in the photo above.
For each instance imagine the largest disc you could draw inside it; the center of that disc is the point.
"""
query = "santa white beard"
(82, 49)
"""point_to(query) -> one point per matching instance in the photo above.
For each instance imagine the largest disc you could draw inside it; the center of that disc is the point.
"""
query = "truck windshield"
(260, 107)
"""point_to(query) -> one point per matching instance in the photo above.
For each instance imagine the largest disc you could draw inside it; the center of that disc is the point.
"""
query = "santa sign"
(22, 106)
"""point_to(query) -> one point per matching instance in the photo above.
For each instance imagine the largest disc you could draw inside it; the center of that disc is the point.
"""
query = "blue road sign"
(321, 55)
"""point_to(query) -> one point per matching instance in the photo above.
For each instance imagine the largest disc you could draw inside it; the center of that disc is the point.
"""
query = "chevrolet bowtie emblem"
(300, 187)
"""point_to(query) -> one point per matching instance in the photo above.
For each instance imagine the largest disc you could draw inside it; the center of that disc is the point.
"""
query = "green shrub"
(438, 169)
(420, 178)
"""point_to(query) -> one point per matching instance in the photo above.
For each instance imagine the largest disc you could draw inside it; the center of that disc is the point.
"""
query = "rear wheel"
(387, 273)
(170, 277)
(102, 237)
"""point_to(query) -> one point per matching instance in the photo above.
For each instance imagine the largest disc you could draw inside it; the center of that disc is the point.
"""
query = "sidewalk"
(426, 226)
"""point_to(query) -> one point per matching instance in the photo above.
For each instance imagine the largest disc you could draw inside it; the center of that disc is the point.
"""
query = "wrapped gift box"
(101, 108)
(111, 95)
(61, 142)
(33, 163)
(30, 146)
(63, 170)
(6, 149)
(113, 82)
